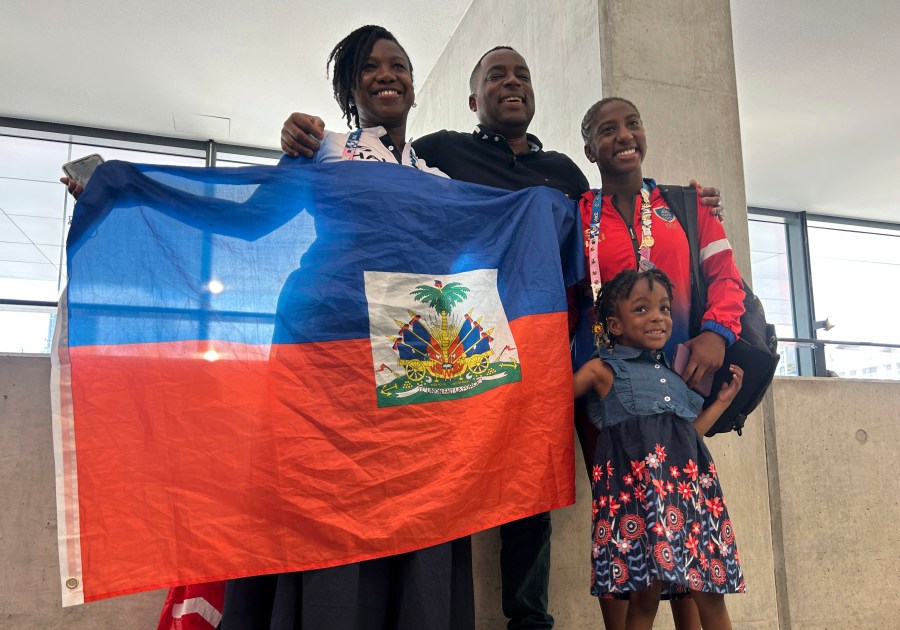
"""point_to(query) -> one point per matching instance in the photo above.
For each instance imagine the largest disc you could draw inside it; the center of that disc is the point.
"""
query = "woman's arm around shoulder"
(593, 375)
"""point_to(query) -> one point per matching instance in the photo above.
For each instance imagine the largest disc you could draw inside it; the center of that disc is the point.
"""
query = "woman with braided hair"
(372, 80)
(428, 588)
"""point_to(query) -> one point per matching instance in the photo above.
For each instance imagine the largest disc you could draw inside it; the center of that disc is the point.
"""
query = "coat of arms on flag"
(438, 338)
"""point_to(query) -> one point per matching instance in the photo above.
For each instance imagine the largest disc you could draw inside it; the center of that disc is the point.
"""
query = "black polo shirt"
(484, 157)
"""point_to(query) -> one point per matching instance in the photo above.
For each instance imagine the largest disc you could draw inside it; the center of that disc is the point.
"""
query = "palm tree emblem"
(442, 299)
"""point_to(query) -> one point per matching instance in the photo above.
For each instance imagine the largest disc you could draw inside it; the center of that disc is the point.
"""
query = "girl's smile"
(618, 143)
(644, 318)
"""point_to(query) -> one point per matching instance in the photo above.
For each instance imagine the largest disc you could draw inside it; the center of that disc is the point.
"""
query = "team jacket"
(617, 249)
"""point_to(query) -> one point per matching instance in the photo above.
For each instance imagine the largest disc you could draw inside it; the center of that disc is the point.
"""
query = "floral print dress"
(658, 509)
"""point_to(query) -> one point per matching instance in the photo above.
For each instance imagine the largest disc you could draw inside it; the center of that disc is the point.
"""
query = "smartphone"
(81, 169)
(679, 363)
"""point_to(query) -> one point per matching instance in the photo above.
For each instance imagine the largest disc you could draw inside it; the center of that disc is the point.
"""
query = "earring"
(414, 104)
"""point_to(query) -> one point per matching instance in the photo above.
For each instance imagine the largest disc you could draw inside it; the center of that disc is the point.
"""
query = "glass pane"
(863, 362)
(771, 275)
(771, 283)
(32, 218)
(32, 160)
(24, 330)
(239, 159)
(852, 274)
(137, 156)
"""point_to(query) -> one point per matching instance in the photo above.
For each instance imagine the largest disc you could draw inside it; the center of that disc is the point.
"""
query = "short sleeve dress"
(658, 509)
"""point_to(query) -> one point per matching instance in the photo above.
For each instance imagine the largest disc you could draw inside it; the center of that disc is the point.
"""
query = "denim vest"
(643, 386)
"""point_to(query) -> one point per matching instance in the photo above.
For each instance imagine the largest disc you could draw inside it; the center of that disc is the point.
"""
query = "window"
(237, 159)
(824, 283)
(772, 284)
(35, 211)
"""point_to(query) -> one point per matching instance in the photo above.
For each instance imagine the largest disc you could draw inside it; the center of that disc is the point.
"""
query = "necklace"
(592, 236)
(646, 234)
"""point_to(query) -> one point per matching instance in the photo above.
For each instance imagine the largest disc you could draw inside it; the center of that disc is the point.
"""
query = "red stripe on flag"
(191, 470)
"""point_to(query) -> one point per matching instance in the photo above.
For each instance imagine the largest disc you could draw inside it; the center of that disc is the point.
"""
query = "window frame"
(810, 349)
(205, 150)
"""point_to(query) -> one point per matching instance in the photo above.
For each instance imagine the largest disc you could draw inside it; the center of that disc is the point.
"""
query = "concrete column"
(675, 61)
(561, 44)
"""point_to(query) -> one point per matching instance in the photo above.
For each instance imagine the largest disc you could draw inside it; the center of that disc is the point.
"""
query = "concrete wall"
(561, 44)
(29, 565)
(831, 470)
(834, 458)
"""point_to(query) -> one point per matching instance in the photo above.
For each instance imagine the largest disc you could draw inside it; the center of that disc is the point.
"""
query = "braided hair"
(587, 123)
(618, 289)
(348, 57)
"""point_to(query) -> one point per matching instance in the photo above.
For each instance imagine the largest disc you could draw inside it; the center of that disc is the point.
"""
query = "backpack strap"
(682, 201)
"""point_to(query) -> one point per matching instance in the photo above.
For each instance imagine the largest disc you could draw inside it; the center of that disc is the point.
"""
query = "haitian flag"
(273, 369)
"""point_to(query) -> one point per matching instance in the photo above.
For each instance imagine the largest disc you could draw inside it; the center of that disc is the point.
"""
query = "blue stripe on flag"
(159, 254)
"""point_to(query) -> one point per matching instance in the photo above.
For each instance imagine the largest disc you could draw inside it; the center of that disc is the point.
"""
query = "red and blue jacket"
(617, 250)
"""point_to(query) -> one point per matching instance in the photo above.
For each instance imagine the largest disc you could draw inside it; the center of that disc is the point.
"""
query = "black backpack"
(756, 351)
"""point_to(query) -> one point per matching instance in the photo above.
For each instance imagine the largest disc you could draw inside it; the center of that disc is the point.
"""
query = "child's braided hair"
(616, 290)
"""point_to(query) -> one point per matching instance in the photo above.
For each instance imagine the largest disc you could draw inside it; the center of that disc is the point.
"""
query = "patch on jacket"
(665, 214)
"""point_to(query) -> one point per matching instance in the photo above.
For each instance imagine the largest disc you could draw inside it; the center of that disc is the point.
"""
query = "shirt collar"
(649, 184)
(487, 135)
(379, 132)
(376, 131)
(626, 353)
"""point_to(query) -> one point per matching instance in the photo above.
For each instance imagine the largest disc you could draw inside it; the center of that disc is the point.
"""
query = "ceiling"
(813, 75)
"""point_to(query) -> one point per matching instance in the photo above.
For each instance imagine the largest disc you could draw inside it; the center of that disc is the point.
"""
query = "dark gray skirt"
(429, 588)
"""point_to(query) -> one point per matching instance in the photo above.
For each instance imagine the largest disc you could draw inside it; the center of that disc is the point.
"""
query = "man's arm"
(709, 196)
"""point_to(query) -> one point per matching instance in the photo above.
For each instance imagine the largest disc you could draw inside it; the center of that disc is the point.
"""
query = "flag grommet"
(72, 583)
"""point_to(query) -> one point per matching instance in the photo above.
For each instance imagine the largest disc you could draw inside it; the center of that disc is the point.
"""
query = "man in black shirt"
(500, 152)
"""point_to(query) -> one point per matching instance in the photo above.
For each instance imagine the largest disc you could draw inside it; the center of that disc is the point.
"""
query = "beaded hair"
(587, 123)
(616, 290)
(348, 57)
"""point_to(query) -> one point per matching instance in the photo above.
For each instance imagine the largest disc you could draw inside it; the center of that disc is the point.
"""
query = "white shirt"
(370, 147)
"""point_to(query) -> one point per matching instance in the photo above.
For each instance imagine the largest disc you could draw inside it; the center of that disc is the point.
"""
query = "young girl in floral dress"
(659, 517)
